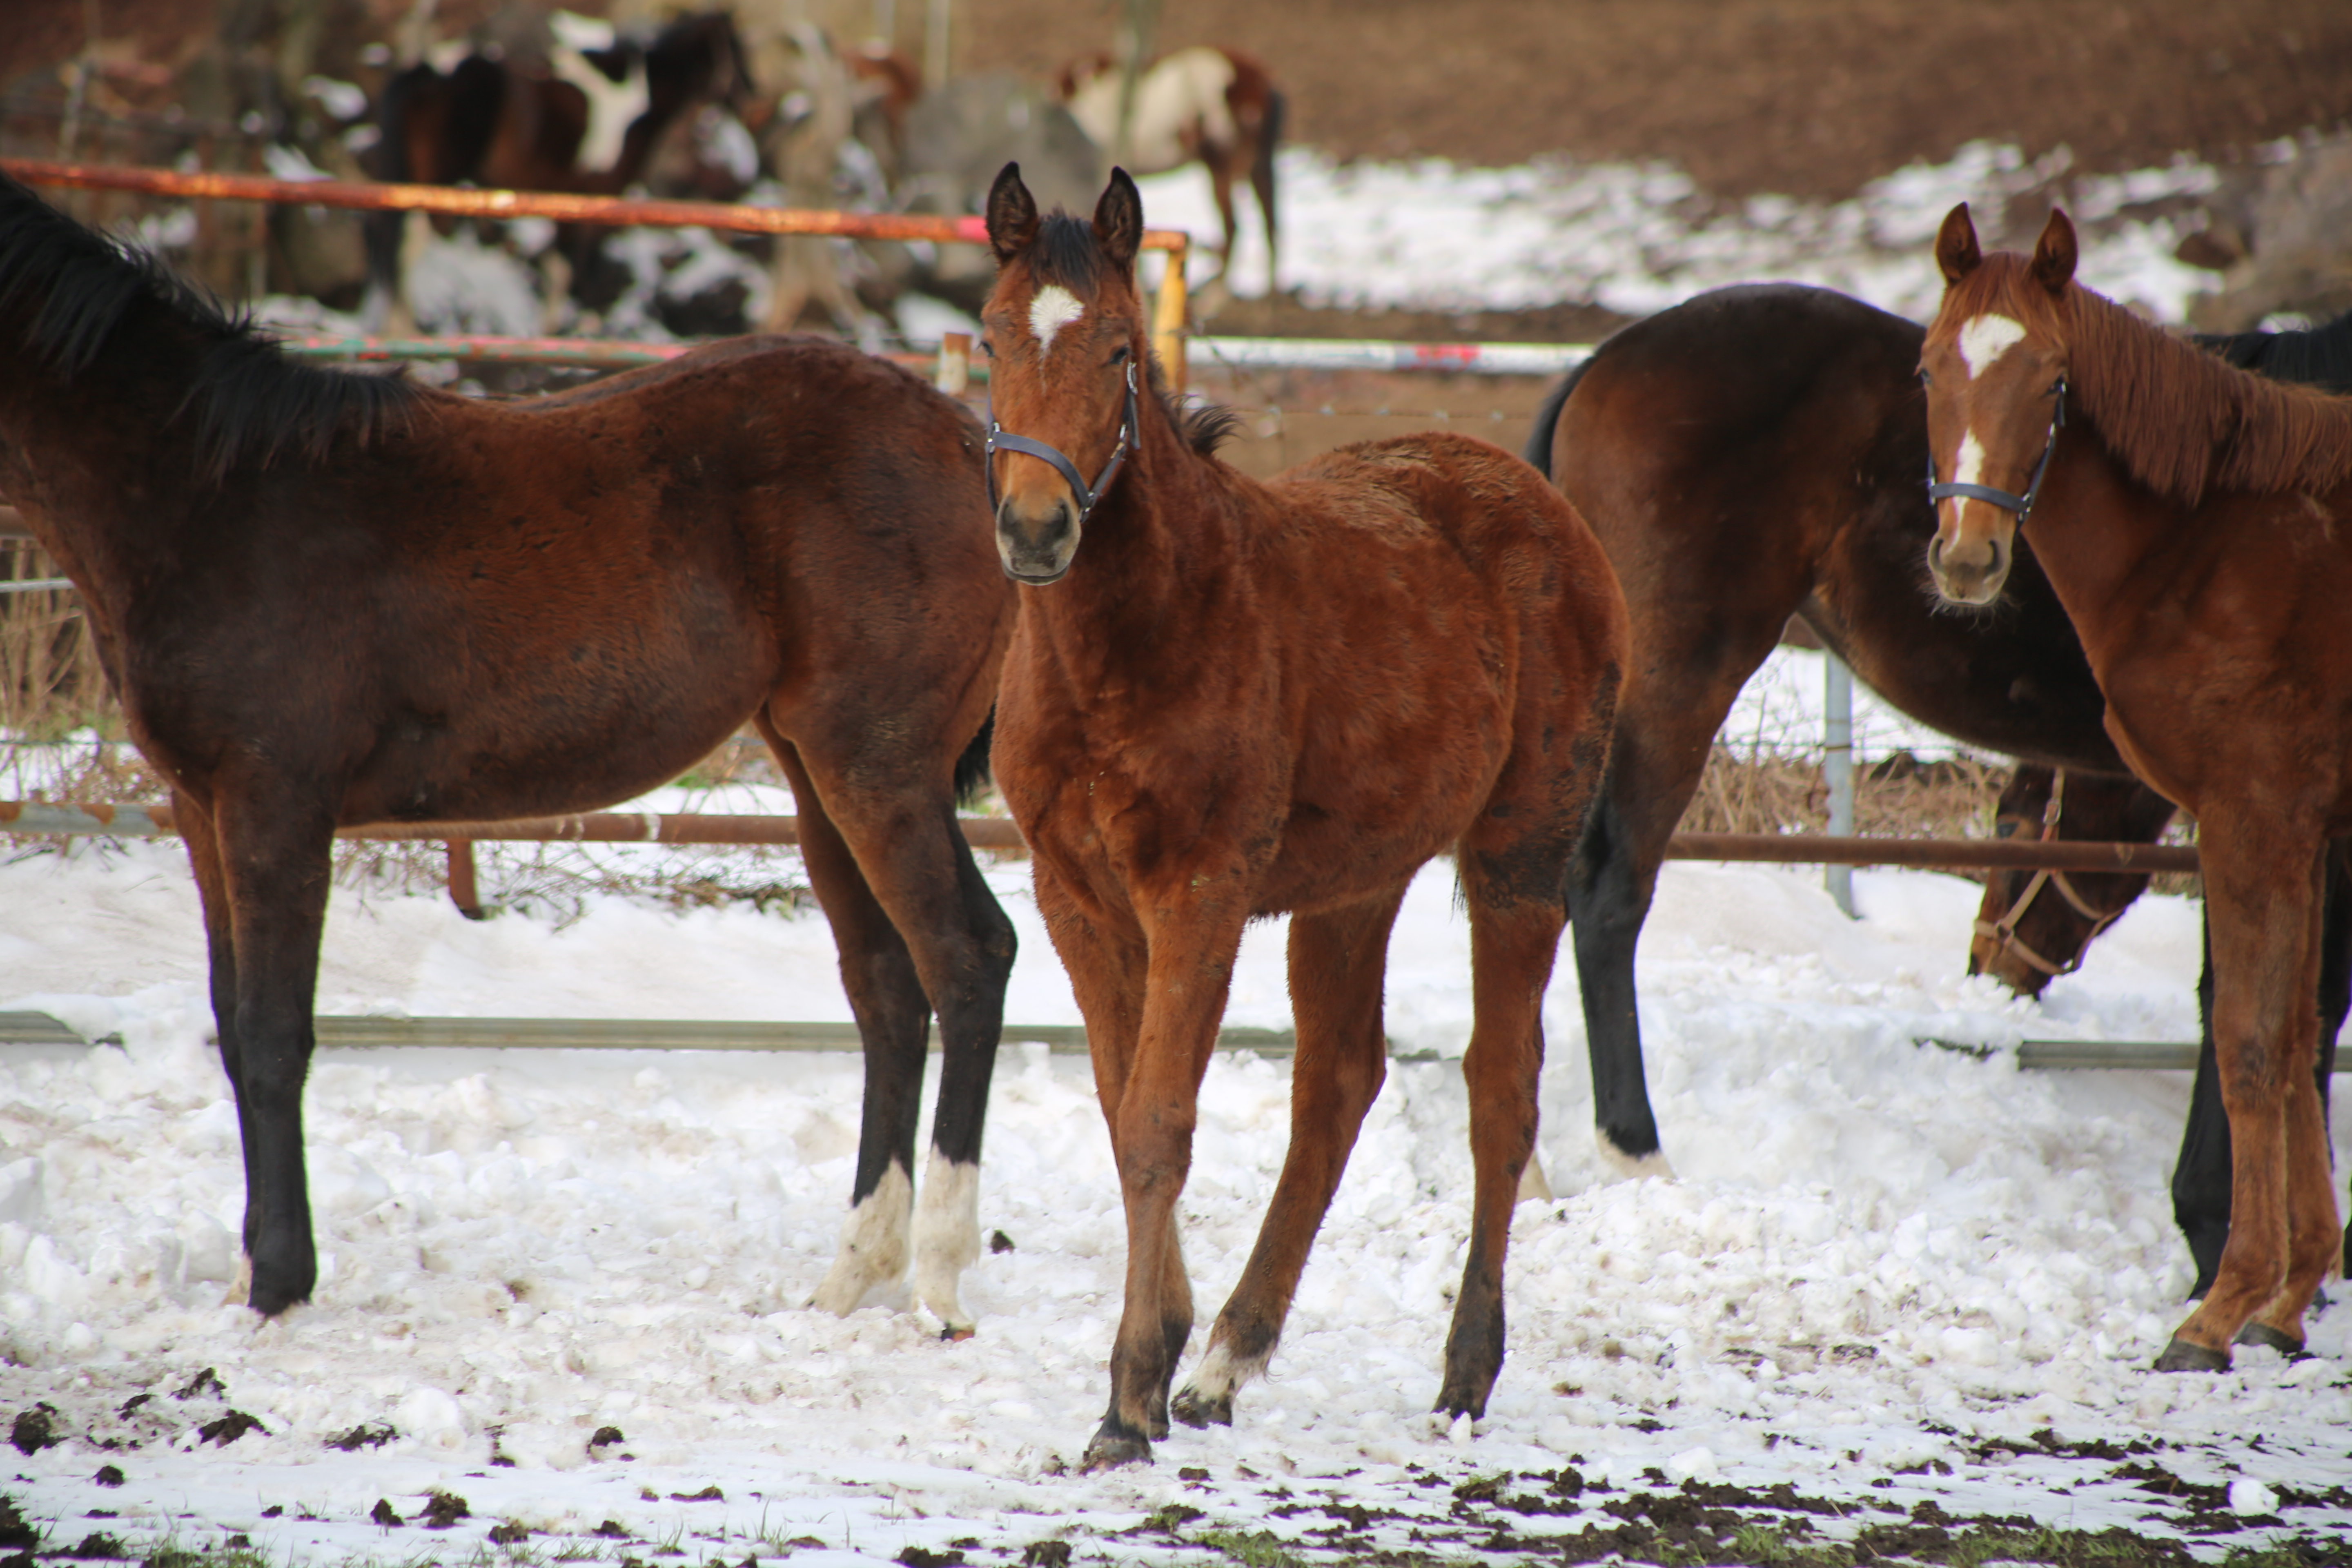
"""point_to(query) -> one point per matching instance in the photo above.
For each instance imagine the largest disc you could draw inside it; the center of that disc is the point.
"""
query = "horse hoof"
(2181, 1355)
(1192, 1408)
(1111, 1449)
(2263, 1334)
(956, 1333)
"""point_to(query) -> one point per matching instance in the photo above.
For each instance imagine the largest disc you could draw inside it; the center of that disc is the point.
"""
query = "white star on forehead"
(1053, 309)
(1985, 338)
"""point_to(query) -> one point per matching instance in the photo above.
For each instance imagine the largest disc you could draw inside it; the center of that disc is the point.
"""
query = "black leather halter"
(2022, 505)
(1003, 440)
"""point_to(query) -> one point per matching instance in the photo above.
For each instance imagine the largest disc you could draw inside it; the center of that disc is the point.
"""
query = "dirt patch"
(1811, 98)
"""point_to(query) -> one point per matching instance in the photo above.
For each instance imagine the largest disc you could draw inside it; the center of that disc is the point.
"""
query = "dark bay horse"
(1753, 453)
(2034, 926)
(328, 598)
(1228, 699)
(2188, 516)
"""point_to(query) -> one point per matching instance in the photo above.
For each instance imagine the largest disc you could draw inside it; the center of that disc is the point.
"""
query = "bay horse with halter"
(327, 599)
(1217, 106)
(1227, 699)
(1755, 453)
(2033, 927)
(2189, 517)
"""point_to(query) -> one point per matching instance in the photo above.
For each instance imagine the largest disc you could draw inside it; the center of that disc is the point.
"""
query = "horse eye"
(1926, 380)
(987, 349)
(1118, 354)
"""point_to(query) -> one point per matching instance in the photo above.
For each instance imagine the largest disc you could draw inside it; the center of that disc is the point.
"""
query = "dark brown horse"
(1247, 698)
(2034, 926)
(2186, 514)
(1755, 453)
(327, 598)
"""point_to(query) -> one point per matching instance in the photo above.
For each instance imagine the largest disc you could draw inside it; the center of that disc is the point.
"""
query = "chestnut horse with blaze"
(2191, 518)
(327, 599)
(1227, 699)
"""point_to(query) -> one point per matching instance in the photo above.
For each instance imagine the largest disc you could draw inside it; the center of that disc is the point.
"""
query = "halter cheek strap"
(1003, 440)
(2022, 505)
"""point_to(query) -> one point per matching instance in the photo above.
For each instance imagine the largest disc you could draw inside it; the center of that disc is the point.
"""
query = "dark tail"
(1538, 451)
(971, 768)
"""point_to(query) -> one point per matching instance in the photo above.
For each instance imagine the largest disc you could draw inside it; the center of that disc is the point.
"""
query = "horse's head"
(1995, 369)
(1064, 330)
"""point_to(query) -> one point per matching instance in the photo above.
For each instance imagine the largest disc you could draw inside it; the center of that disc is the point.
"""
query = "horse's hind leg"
(1337, 959)
(1512, 938)
(902, 846)
(893, 1020)
(266, 860)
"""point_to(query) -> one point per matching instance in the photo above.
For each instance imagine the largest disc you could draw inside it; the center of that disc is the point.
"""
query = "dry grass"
(61, 739)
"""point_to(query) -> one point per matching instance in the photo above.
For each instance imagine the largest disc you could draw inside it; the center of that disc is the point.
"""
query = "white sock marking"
(1631, 1168)
(1221, 1373)
(947, 1238)
(1984, 339)
(1054, 308)
(872, 1245)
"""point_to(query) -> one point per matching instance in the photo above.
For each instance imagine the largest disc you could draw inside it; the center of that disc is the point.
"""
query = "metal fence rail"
(1168, 311)
(137, 820)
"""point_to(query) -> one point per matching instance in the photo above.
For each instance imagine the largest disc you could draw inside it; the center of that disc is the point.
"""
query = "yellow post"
(1168, 319)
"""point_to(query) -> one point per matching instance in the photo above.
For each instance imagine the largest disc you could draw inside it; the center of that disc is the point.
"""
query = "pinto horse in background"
(587, 119)
(327, 598)
(2188, 516)
(1217, 106)
(1229, 699)
(1755, 453)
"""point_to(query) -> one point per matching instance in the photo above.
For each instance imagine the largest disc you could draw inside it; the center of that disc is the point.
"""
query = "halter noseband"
(1003, 440)
(2022, 505)
(2002, 934)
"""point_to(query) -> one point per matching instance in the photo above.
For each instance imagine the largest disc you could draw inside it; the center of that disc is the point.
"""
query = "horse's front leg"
(2263, 897)
(1337, 959)
(270, 853)
(1186, 980)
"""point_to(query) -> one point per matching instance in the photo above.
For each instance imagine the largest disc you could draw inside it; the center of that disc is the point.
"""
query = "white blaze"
(1967, 469)
(1054, 308)
(612, 106)
(1984, 339)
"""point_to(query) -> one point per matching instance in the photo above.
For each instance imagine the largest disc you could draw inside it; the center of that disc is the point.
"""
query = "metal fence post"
(1837, 769)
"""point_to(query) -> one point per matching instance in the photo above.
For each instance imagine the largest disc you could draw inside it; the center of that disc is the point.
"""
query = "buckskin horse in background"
(1229, 698)
(1756, 453)
(587, 119)
(1214, 105)
(2188, 516)
(327, 598)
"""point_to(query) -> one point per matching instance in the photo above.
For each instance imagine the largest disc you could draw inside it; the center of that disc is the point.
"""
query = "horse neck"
(1157, 564)
(2093, 529)
(78, 451)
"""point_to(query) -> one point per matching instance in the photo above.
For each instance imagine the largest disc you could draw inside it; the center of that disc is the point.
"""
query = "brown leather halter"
(2003, 933)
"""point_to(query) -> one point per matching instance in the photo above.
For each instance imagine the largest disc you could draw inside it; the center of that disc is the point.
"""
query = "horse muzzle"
(1036, 551)
(1968, 571)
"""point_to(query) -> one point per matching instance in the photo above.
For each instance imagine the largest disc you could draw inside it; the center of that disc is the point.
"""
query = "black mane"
(2321, 357)
(85, 291)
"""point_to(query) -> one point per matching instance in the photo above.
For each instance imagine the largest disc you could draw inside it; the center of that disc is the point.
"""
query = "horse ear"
(1012, 215)
(1118, 220)
(1956, 252)
(2053, 254)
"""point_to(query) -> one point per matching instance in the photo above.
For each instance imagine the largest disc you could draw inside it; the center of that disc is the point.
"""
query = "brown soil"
(1811, 98)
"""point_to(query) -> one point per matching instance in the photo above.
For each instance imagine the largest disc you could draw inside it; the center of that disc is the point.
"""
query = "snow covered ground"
(1883, 1268)
(1905, 1285)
